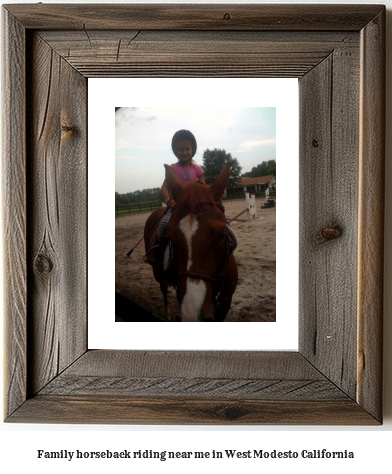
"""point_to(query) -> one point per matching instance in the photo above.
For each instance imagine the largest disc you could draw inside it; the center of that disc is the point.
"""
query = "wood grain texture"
(335, 378)
(371, 215)
(208, 375)
(57, 215)
(329, 140)
(14, 199)
(193, 17)
(193, 53)
(201, 387)
(192, 387)
(155, 411)
(208, 364)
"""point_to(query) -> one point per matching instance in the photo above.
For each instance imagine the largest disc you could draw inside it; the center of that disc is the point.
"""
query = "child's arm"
(166, 195)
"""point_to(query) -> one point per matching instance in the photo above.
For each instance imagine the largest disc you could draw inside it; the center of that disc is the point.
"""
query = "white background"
(19, 443)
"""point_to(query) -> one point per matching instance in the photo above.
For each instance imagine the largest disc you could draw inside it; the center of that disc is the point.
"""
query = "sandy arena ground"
(255, 296)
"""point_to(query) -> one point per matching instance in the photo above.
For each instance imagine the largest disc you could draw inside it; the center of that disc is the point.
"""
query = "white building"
(252, 185)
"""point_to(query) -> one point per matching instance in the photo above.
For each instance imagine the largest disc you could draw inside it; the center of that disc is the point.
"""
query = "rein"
(217, 204)
(196, 275)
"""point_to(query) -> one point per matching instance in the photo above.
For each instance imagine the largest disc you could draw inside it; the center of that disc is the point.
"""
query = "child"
(184, 146)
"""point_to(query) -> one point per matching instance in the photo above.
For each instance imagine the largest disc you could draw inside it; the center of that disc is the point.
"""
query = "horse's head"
(200, 246)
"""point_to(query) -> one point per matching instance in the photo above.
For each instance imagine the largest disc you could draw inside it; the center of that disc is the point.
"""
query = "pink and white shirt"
(187, 174)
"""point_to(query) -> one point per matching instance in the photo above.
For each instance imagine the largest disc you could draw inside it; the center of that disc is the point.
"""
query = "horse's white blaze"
(193, 300)
(189, 228)
(196, 290)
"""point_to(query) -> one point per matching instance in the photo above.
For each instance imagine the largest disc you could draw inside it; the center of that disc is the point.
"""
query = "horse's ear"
(221, 182)
(173, 182)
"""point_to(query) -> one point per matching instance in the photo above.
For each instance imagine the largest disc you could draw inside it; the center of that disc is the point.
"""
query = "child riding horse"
(198, 261)
(184, 147)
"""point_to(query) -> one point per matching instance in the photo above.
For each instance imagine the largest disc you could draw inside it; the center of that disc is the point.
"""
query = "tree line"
(266, 168)
(213, 161)
(150, 194)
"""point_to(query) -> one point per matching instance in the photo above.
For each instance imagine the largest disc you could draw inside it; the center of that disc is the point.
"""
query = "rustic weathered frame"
(337, 52)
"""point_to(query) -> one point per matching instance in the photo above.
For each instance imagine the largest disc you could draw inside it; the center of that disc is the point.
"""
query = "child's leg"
(164, 223)
(155, 253)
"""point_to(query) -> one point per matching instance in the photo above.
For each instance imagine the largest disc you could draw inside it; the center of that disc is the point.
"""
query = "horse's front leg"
(222, 308)
(164, 290)
(160, 278)
(230, 283)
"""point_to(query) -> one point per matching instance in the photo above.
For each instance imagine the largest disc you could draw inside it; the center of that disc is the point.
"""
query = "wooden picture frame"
(338, 54)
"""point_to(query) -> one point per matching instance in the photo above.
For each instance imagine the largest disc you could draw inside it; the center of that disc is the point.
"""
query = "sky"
(144, 134)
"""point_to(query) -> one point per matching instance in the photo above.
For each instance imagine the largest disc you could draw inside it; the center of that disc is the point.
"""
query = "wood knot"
(328, 233)
(233, 412)
(227, 16)
(43, 264)
(69, 128)
(67, 125)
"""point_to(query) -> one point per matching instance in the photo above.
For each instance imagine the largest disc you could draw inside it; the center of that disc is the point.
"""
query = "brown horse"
(198, 261)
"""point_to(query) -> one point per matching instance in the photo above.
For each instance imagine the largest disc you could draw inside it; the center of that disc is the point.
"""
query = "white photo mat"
(106, 94)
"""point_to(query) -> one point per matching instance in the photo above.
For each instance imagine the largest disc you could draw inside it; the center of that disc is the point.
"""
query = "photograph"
(199, 243)
(197, 221)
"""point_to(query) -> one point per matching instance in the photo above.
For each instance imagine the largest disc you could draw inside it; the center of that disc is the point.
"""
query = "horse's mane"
(191, 195)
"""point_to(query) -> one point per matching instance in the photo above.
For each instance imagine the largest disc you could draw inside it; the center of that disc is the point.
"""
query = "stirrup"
(147, 258)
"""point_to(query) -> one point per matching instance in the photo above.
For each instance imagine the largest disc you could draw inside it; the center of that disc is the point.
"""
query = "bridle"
(217, 282)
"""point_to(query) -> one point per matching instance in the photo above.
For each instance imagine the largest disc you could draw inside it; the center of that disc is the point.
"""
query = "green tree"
(213, 162)
(150, 194)
(265, 168)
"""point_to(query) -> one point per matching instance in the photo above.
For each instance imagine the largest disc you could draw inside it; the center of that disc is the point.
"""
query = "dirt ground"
(255, 296)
